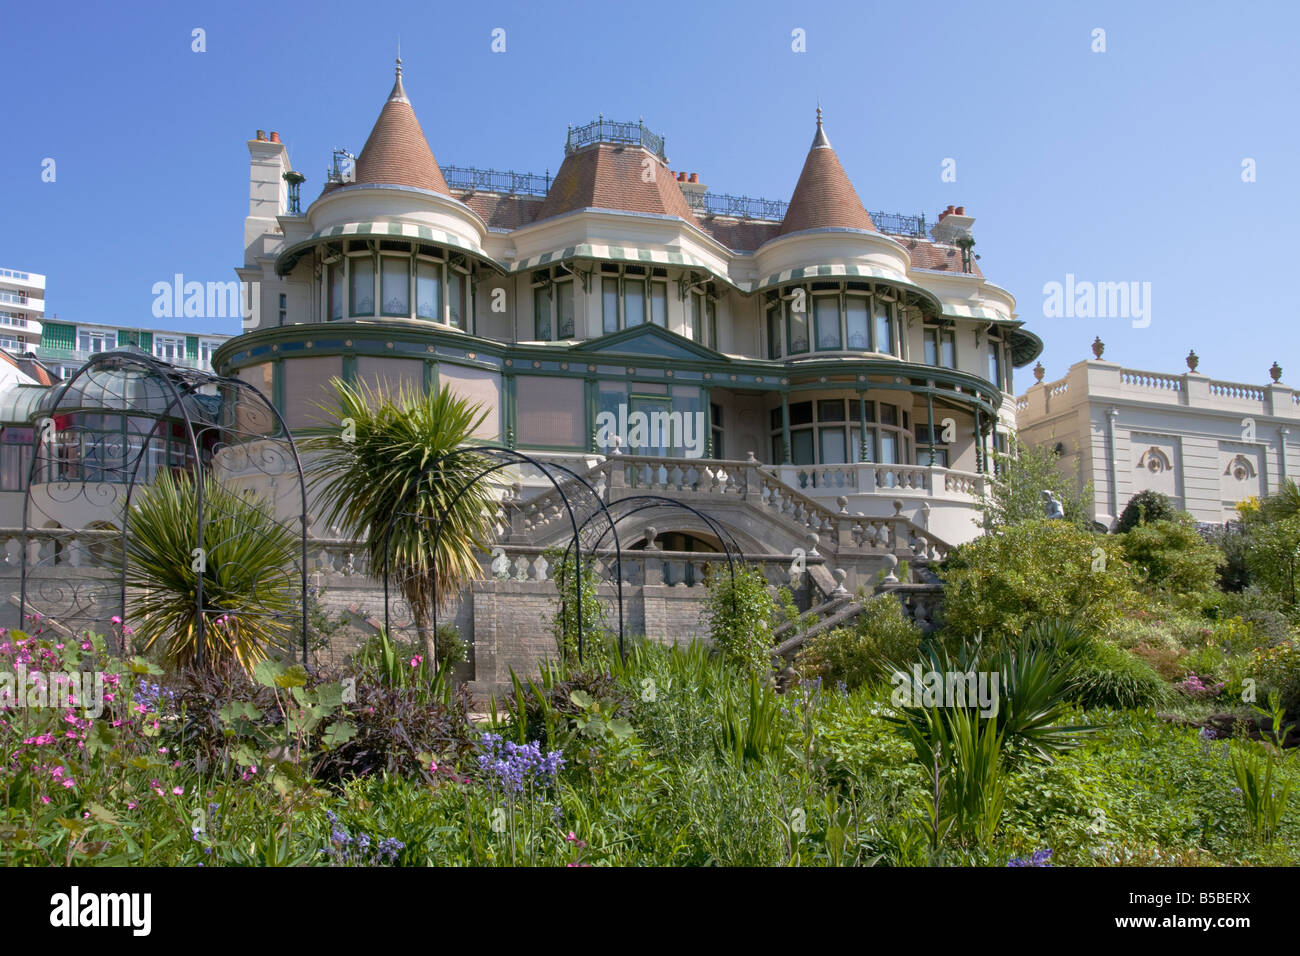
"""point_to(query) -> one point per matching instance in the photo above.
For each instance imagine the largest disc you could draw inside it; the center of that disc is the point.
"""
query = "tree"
(1146, 507)
(1274, 556)
(1171, 556)
(1024, 472)
(385, 461)
(250, 590)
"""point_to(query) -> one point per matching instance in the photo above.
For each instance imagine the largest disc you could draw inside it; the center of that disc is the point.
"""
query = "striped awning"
(956, 311)
(380, 230)
(841, 271)
(660, 257)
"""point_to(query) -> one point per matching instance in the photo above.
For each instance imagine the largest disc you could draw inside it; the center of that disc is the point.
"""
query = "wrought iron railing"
(741, 207)
(608, 131)
(497, 181)
(896, 224)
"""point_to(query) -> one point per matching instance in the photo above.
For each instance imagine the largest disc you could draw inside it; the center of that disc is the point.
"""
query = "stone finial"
(1193, 360)
(891, 565)
(814, 539)
(1098, 346)
(614, 442)
(898, 506)
(1276, 373)
(843, 502)
(840, 575)
(1039, 371)
(751, 459)
(650, 535)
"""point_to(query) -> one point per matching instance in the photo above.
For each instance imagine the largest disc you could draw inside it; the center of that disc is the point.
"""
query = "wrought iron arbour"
(122, 419)
(572, 488)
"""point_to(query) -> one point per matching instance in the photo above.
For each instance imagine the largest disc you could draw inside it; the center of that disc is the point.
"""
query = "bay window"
(832, 317)
(940, 347)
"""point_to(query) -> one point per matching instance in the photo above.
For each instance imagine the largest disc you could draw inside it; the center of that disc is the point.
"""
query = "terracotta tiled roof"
(502, 211)
(397, 152)
(824, 198)
(740, 235)
(606, 176)
(928, 255)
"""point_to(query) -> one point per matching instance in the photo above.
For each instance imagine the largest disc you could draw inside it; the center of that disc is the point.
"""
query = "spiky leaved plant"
(381, 460)
(250, 587)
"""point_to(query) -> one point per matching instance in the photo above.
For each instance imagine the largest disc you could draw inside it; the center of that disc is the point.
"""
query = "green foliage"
(250, 601)
(381, 476)
(1273, 557)
(739, 618)
(1277, 671)
(1024, 473)
(861, 654)
(1170, 556)
(1233, 574)
(997, 584)
(751, 729)
(1255, 769)
(1146, 507)
(579, 610)
(400, 665)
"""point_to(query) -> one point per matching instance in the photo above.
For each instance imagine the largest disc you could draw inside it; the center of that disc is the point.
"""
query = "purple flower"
(1039, 858)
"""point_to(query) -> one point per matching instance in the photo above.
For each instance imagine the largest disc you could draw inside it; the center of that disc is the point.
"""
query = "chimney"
(695, 178)
(275, 137)
(261, 136)
(953, 225)
(691, 186)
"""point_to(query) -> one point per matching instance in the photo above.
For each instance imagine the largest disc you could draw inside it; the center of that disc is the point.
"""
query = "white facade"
(22, 305)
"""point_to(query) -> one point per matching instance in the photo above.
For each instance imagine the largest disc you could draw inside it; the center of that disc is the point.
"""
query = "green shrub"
(860, 654)
(739, 617)
(579, 624)
(997, 584)
(1024, 473)
(1276, 669)
(451, 648)
(1273, 556)
(1108, 676)
(1259, 611)
(1234, 544)
(1144, 508)
(1169, 555)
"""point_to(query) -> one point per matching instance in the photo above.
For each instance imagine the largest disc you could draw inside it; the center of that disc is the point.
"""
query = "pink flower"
(178, 790)
(116, 619)
(417, 660)
(69, 783)
(44, 799)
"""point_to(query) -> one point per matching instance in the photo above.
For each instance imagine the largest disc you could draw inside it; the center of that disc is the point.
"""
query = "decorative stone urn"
(1193, 360)
(1276, 373)
(1039, 372)
(1098, 346)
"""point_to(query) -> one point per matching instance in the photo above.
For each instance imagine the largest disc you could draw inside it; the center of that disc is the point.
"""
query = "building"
(859, 359)
(66, 346)
(22, 305)
(1205, 443)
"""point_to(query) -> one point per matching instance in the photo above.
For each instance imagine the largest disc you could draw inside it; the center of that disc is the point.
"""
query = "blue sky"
(1122, 166)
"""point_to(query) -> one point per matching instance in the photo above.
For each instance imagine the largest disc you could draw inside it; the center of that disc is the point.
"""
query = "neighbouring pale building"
(22, 305)
(1205, 443)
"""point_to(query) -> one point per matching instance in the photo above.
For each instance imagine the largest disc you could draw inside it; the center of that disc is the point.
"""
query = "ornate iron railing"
(608, 131)
(497, 181)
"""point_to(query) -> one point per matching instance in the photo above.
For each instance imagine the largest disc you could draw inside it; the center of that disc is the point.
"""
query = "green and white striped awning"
(380, 230)
(954, 311)
(841, 271)
(659, 257)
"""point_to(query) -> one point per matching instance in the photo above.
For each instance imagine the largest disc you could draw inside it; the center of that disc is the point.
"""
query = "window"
(704, 319)
(996, 368)
(207, 348)
(362, 299)
(854, 316)
(542, 313)
(826, 314)
(715, 431)
(169, 348)
(828, 432)
(15, 457)
(395, 285)
(631, 295)
(284, 307)
(609, 304)
(940, 347)
(659, 304)
(925, 435)
(633, 302)
(428, 290)
(458, 299)
(335, 304)
(553, 304)
(95, 341)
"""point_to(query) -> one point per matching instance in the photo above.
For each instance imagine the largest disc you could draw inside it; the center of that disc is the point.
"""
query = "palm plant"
(249, 602)
(384, 472)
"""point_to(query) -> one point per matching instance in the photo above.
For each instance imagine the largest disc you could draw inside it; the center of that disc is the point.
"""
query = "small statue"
(1052, 507)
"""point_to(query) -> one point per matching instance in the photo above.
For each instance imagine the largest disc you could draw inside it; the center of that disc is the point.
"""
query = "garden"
(1147, 689)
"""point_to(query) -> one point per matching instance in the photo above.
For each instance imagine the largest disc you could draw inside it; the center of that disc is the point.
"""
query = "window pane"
(801, 413)
(396, 285)
(610, 304)
(542, 313)
(659, 304)
(949, 350)
(801, 444)
(711, 308)
(363, 286)
(775, 417)
(889, 448)
(456, 298)
(697, 317)
(884, 327)
(565, 309)
(888, 414)
(774, 333)
(931, 347)
(777, 456)
(830, 410)
(826, 310)
(832, 442)
(427, 275)
(855, 445)
(797, 324)
(336, 291)
(633, 302)
(856, 319)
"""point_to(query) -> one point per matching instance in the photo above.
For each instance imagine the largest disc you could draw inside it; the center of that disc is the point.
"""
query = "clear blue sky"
(1116, 166)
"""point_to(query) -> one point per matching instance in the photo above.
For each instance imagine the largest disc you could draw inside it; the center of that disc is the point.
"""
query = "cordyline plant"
(382, 476)
(250, 603)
